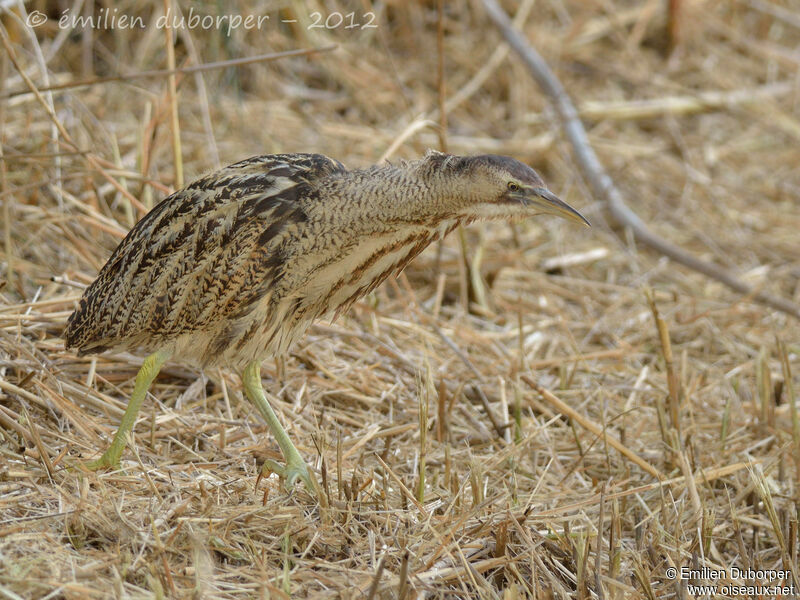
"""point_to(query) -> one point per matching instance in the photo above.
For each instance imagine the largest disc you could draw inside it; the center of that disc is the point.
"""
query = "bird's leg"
(147, 373)
(295, 465)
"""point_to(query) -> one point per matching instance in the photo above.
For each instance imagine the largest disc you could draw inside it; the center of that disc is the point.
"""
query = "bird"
(233, 268)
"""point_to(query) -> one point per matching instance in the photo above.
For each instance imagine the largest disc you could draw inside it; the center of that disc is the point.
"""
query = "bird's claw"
(106, 461)
(290, 473)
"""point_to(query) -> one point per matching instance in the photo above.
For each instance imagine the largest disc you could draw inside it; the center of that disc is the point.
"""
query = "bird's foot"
(290, 473)
(107, 461)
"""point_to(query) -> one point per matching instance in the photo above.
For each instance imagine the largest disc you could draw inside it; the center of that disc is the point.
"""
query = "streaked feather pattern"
(235, 266)
(204, 256)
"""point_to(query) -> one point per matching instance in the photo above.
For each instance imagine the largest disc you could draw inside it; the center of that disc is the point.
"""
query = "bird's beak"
(547, 202)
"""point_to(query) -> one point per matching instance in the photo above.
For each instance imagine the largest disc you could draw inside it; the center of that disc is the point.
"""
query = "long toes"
(293, 473)
(100, 463)
(290, 473)
(270, 466)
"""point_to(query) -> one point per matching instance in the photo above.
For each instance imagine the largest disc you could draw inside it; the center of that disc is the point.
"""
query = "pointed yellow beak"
(548, 203)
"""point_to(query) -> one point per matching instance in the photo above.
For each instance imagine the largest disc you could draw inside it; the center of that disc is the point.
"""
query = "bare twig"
(573, 414)
(685, 104)
(601, 183)
(172, 100)
(440, 76)
(221, 64)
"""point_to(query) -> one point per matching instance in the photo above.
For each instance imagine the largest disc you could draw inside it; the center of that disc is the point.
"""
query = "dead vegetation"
(563, 414)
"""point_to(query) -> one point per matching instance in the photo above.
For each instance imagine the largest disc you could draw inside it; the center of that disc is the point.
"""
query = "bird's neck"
(413, 193)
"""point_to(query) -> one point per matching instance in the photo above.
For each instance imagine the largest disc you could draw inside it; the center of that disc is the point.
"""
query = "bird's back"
(196, 266)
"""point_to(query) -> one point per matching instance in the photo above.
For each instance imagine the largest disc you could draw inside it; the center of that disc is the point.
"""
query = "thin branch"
(600, 431)
(172, 100)
(221, 64)
(440, 79)
(601, 183)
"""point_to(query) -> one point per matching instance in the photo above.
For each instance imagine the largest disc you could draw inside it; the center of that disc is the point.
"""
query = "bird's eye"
(512, 186)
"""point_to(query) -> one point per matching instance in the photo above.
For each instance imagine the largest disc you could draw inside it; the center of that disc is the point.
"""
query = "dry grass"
(597, 416)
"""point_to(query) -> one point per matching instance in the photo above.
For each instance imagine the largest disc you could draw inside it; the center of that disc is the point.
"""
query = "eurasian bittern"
(237, 265)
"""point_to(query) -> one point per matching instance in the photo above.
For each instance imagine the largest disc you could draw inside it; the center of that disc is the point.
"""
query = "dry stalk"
(601, 183)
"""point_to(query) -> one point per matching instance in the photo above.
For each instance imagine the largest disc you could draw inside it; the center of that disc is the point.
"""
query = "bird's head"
(489, 186)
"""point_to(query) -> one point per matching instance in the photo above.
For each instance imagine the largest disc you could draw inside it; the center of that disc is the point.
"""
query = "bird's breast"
(327, 277)
(360, 267)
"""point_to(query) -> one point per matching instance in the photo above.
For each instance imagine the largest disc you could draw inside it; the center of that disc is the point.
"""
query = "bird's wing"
(204, 254)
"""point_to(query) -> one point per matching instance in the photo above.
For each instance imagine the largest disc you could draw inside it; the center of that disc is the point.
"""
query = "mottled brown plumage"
(233, 268)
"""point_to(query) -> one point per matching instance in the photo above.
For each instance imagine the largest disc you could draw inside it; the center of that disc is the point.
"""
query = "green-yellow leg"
(295, 465)
(150, 368)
